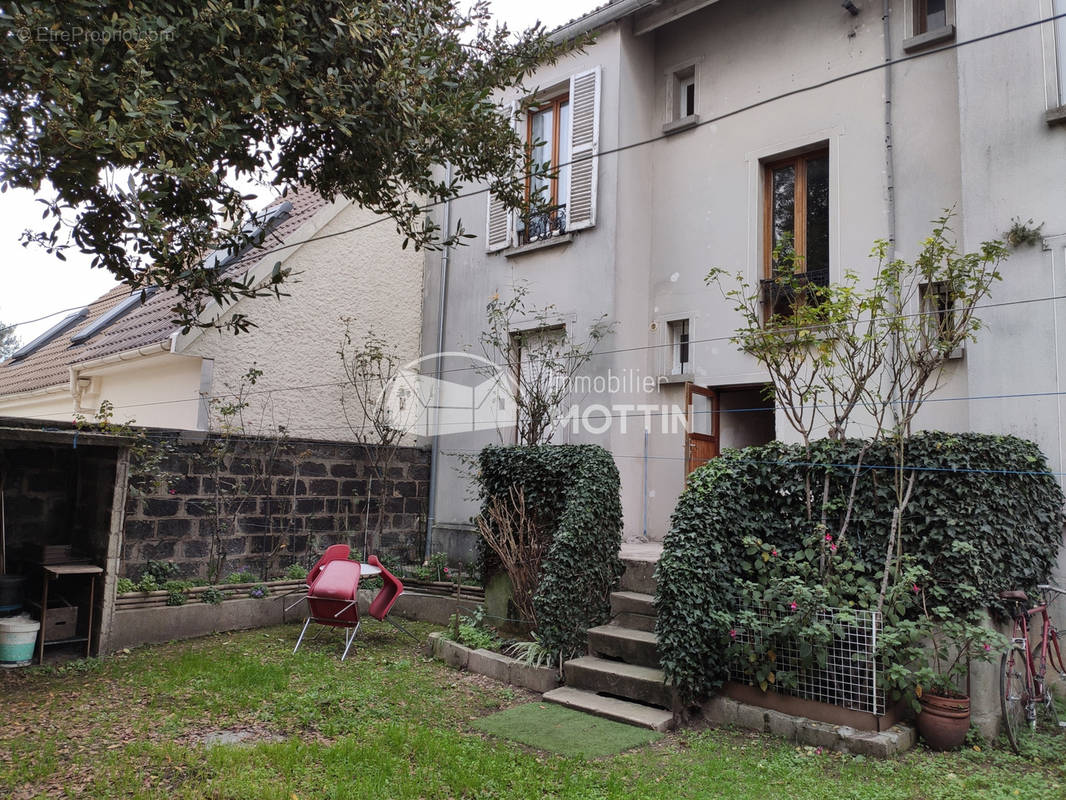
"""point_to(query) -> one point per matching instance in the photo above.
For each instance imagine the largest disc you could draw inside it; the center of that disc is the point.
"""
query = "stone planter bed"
(235, 591)
(493, 665)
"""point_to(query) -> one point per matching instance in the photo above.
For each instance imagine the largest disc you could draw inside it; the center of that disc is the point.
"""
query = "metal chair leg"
(400, 628)
(308, 622)
(355, 630)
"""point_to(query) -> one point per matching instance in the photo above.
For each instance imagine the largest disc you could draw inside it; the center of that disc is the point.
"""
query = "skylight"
(49, 334)
(255, 231)
(134, 300)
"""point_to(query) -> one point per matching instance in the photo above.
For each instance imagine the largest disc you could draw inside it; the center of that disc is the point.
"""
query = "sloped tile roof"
(144, 325)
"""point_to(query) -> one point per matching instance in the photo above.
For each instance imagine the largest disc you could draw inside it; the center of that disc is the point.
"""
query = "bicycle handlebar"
(1047, 587)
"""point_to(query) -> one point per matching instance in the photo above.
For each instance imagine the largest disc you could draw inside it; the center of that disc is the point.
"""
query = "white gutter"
(599, 18)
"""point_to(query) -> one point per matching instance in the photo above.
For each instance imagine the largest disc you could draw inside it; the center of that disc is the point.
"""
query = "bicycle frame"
(1048, 654)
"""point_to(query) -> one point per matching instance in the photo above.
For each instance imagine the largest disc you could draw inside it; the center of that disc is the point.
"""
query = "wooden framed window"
(680, 362)
(930, 15)
(548, 132)
(796, 224)
(684, 92)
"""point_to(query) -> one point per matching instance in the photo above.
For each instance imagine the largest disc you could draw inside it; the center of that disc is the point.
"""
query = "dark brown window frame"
(921, 16)
(555, 103)
(799, 162)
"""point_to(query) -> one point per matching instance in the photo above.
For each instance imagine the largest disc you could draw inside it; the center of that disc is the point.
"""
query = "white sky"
(34, 284)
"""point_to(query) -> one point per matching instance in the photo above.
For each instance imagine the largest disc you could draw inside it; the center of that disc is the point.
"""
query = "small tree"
(840, 348)
(542, 356)
(371, 364)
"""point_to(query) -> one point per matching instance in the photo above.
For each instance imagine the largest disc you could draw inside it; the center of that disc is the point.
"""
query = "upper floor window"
(931, 22)
(562, 133)
(1059, 8)
(685, 92)
(796, 227)
(548, 133)
(930, 15)
(679, 347)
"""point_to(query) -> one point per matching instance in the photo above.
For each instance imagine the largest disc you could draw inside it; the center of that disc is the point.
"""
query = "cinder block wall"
(303, 495)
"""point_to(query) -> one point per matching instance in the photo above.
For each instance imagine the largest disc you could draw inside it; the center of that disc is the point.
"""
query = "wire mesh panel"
(842, 672)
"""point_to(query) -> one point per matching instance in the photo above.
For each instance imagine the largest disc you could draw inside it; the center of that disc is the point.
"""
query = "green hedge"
(573, 490)
(984, 516)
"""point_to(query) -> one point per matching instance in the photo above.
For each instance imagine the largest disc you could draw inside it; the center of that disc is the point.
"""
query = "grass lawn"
(388, 723)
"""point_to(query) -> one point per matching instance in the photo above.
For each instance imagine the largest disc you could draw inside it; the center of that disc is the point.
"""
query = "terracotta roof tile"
(151, 323)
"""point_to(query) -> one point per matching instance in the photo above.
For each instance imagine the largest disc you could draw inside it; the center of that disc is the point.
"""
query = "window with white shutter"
(584, 147)
(500, 226)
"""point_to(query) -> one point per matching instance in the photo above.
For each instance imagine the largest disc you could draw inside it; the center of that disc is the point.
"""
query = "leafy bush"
(296, 572)
(985, 516)
(572, 492)
(212, 596)
(176, 597)
(243, 577)
(160, 571)
(472, 630)
(125, 586)
(259, 591)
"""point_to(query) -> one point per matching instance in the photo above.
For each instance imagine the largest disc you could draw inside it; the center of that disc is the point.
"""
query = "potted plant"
(944, 647)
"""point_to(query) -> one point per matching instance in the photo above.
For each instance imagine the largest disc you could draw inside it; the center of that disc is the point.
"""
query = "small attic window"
(123, 308)
(50, 334)
(255, 231)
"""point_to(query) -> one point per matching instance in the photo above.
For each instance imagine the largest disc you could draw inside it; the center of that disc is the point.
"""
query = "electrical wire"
(659, 137)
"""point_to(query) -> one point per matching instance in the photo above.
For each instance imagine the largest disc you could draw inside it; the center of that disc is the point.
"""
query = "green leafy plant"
(472, 630)
(176, 597)
(242, 577)
(212, 596)
(572, 493)
(259, 591)
(148, 584)
(125, 586)
(1024, 234)
(296, 572)
(985, 530)
(533, 653)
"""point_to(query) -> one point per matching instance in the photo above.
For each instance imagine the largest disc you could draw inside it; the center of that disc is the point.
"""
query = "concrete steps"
(642, 684)
(621, 679)
(625, 644)
(655, 719)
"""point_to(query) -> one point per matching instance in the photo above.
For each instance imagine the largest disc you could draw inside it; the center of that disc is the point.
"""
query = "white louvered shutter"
(584, 146)
(500, 227)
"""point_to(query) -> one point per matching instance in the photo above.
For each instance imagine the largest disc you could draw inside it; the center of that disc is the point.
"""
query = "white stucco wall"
(362, 274)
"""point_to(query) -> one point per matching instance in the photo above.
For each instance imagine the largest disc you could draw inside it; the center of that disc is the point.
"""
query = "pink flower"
(733, 633)
(988, 647)
(829, 537)
(793, 606)
(833, 548)
(773, 552)
(915, 588)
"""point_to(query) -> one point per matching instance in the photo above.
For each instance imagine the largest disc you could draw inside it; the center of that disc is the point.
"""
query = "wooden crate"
(61, 622)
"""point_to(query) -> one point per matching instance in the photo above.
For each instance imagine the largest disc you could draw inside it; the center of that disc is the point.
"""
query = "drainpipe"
(431, 515)
(889, 163)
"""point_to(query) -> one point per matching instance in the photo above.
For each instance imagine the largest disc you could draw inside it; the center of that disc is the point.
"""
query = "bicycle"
(1028, 704)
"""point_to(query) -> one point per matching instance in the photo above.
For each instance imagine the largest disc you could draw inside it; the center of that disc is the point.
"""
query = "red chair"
(335, 552)
(333, 599)
(382, 603)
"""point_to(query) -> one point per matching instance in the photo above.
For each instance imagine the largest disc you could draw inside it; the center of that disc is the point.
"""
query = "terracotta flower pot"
(944, 721)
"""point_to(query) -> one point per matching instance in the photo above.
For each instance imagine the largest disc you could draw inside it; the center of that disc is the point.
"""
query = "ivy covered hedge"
(573, 491)
(984, 516)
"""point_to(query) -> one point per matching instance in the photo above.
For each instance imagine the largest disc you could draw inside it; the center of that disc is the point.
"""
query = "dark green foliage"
(985, 516)
(160, 571)
(573, 492)
(134, 113)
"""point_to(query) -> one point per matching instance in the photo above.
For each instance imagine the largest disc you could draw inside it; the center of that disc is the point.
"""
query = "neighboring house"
(132, 354)
(700, 133)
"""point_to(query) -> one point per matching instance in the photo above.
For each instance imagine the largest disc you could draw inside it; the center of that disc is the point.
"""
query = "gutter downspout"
(431, 514)
(889, 161)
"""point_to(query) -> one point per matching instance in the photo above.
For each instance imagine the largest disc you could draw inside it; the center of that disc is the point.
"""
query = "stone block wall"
(273, 504)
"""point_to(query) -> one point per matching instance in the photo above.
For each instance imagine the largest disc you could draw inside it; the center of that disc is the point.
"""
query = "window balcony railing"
(542, 224)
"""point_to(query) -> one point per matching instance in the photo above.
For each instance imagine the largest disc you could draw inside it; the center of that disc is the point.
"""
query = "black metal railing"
(542, 224)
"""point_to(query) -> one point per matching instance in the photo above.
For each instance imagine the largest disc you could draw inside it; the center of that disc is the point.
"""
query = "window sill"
(923, 40)
(681, 377)
(1056, 116)
(683, 124)
(540, 244)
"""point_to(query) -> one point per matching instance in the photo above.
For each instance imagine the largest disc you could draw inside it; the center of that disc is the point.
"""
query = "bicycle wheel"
(1015, 697)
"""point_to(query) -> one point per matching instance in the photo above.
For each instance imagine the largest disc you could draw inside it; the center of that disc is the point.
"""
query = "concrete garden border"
(493, 665)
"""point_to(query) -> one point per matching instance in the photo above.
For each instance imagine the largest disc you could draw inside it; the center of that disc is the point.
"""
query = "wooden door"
(701, 438)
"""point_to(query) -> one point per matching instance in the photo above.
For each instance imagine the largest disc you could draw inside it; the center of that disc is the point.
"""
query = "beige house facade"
(696, 132)
(345, 263)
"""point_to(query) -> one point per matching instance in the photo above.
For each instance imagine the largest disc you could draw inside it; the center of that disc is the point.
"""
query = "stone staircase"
(620, 679)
